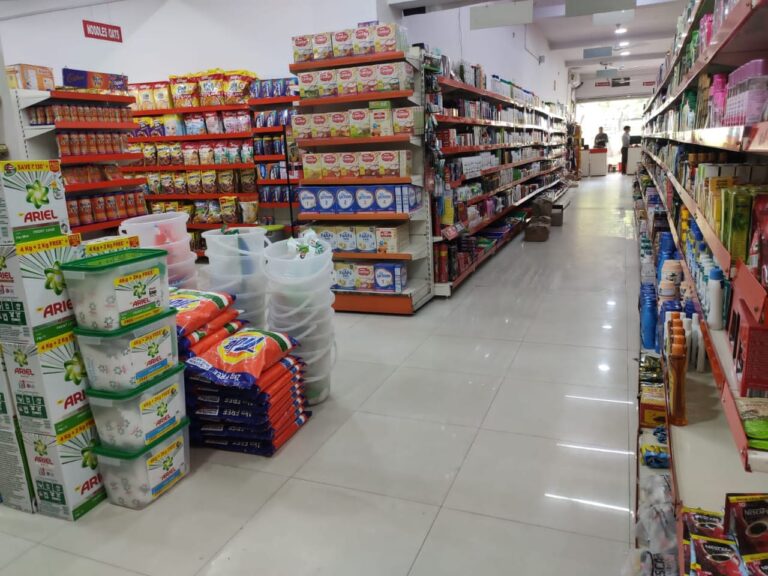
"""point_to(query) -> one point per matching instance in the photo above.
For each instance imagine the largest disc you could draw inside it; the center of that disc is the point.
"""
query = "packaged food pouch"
(240, 359)
(226, 182)
(201, 211)
(161, 94)
(220, 152)
(228, 205)
(216, 336)
(214, 212)
(157, 207)
(163, 151)
(141, 203)
(150, 154)
(232, 151)
(157, 126)
(110, 206)
(208, 182)
(177, 153)
(213, 123)
(194, 124)
(211, 88)
(248, 181)
(188, 209)
(194, 182)
(205, 151)
(180, 182)
(190, 153)
(246, 152)
(145, 97)
(249, 211)
(130, 204)
(192, 338)
(236, 86)
(111, 172)
(231, 122)
(153, 182)
(243, 121)
(166, 183)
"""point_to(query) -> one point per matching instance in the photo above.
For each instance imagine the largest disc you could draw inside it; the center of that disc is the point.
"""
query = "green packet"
(754, 416)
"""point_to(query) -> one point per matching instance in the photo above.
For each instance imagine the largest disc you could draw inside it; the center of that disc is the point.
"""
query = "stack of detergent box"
(126, 333)
(48, 412)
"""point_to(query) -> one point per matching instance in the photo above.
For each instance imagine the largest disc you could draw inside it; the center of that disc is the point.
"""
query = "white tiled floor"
(488, 434)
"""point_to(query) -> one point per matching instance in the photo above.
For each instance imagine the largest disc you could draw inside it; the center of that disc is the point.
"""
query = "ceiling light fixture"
(623, 44)
(626, 53)
(620, 29)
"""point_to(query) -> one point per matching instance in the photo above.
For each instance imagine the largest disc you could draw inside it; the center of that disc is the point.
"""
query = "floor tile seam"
(6, 563)
(364, 491)
(414, 419)
(240, 528)
(565, 344)
(90, 559)
(559, 440)
(227, 465)
(12, 535)
(534, 525)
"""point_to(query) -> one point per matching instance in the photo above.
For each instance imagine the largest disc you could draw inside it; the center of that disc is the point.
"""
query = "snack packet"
(205, 151)
(214, 212)
(180, 182)
(208, 181)
(184, 91)
(190, 153)
(201, 212)
(211, 88)
(248, 181)
(228, 205)
(226, 182)
(236, 86)
(163, 154)
(194, 182)
(213, 123)
(177, 153)
(161, 94)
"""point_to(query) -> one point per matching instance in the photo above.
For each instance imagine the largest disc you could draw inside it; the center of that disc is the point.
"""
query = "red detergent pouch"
(290, 366)
(227, 316)
(195, 308)
(241, 359)
(217, 336)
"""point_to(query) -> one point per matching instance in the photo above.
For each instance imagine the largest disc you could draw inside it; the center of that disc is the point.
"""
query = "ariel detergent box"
(47, 377)
(31, 201)
(64, 468)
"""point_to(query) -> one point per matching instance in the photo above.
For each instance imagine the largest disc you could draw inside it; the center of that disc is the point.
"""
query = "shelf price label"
(101, 31)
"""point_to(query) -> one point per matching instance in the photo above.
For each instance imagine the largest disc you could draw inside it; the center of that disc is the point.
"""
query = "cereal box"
(345, 239)
(307, 199)
(321, 127)
(338, 124)
(385, 38)
(342, 41)
(360, 123)
(308, 85)
(349, 164)
(346, 79)
(301, 125)
(328, 234)
(302, 48)
(364, 277)
(367, 80)
(381, 122)
(344, 275)
(326, 83)
(330, 165)
(408, 120)
(363, 41)
(322, 48)
(369, 163)
(345, 200)
(326, 200)
(388, 76)
(390, 276)
(366, 238)
(312, 166)
(406, 161)
(392, 239)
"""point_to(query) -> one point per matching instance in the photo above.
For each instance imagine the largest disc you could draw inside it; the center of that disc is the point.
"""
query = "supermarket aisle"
(489, 434)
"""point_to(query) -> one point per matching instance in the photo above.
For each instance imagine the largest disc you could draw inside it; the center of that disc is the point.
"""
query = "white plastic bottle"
(715, 299)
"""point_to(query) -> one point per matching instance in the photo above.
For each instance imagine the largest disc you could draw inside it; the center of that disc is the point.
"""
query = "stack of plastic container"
(301, 304)
(236, 266)
(167, 232)
(127, 336)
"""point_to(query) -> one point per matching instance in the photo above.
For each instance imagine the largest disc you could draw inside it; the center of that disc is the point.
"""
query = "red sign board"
(101, 31)
(649, 83)
(602, 84)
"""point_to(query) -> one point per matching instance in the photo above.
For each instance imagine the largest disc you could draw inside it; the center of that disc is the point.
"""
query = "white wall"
(162, 37)
(510, 51)
(588, 90)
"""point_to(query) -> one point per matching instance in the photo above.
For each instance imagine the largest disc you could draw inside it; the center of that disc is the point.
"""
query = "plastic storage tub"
(131, 419)
(112, 291)
(177, 251)
(129, 357)
(135, 479)
(157, 229)
(181, 269)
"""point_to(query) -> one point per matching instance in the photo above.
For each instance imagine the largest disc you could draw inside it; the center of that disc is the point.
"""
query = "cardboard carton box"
(308, 85)
(343, 45)
(312, 165)
(349, 164)
(301, 126)
(363, 41)
(346, 240)
(390, 277)
(365, 237)
(326, 200)
(15, 482)
(327, 85)
(330, 165)
(307, 199)
(359, 123)
(338, 124)
(327, 233)
(364, 277)
(29, 77)
(345, 199)
(381, 122)
(302, 48)
(346, 79)
(370, 163)
(393, 239)
(367, 80)
(322, 46)
(386, 38)
(344, 275)
(408, 120)
(321, 127)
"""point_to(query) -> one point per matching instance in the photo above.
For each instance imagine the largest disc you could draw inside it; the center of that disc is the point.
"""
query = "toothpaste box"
(364, 277)
(302, 48)
(64, 469)
(327, 233)
(345, 239)
(322, 46)
(301, 125)
(344, 275)
(367, 79)
(343, 45)
(393, 239)
(385, 38)
(312, 165)
(321, 127)
(365, 238)
(330, 165)
(308, 85)
(47, 377)
(307, 199)
(360, 123)
(408, 120)
(345, 200)
(32, 287)
(363, 41)
(390, 277)
(370, 163)
(338, 124)
(381, 122)
(346, 79)
(32, 201)
(349, 164)
(326, 83)
(15, 482)
(326, 200)
(364, 199)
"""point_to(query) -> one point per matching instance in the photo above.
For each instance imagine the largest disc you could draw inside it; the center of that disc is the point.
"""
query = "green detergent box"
(32, 287)
(31, 200)
(64, 468)
(16, 489)
(47, 378)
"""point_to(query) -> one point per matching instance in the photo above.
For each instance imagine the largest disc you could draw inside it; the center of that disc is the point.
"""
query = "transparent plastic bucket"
(235, 265)
(240, 284)
(182, 269)
(318, 299)
(290, 297)
(189, 283)
(156, 229)
(284, 267)
(178, 251)
(249, 240)
(304, 326)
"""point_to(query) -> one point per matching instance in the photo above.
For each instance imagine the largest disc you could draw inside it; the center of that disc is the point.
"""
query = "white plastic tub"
(131, 419)
(182, 269)
(157, 229)
(115, 290)
(238, 241)
(178, 251)
(129, 357)
(236, 265)
(135, 479)
(283, 266)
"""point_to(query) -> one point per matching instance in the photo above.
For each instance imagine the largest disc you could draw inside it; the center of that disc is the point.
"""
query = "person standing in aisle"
(601, 139)
(624, 149)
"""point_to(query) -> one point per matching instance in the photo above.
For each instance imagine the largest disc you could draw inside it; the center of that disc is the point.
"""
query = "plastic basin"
(156, 229)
